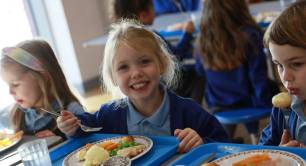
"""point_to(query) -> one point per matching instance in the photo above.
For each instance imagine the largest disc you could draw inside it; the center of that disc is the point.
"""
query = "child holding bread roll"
(285, 39)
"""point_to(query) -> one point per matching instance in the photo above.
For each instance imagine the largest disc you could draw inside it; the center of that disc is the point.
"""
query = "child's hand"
(285, 141)
(44, 133)
(68, 123)
(188, 139)
(302, 146)
(189, 27)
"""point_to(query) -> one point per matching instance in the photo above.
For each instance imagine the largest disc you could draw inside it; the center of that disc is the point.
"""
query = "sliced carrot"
(111, 146)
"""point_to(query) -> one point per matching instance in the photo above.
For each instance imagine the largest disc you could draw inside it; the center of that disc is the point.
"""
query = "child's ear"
(143, 17)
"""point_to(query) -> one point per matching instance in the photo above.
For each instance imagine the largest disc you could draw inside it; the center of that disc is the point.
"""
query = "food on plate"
(131, 151)
(109, 145)
(128, 138)
(281, 100)
(255, 160)
(95, 156)
(5, 142)
(81, 153)
(127, 147)
(8, 139)
(117, 161)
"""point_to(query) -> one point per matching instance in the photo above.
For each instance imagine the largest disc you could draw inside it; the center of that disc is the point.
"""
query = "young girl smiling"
(138, 66)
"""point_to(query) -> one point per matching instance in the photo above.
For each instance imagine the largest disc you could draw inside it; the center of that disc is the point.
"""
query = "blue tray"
(163, 148)
(196, 156)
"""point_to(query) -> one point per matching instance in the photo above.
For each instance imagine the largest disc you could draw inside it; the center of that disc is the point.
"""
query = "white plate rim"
(143, 138)
(11, 145)
(297, 158)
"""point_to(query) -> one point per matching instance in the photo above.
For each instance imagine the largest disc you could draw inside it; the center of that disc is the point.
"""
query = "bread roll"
(281, 100)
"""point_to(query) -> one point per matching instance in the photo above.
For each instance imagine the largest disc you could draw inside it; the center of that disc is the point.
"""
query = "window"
(15, 27)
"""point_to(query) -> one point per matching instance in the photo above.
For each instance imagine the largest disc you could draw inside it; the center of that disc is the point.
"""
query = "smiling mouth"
(19, 101)
(140, 85)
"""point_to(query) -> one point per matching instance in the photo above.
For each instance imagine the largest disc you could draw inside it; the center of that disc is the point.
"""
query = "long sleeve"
(167, 6)
(75, 108)
(272, 134)
(183, 49)
(185, 113)
(111, 116)
(199, 66)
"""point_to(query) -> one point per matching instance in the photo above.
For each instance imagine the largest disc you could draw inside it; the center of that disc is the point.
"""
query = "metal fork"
(83, 127)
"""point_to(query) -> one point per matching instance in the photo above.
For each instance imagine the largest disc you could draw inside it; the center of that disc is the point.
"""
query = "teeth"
(137, 86)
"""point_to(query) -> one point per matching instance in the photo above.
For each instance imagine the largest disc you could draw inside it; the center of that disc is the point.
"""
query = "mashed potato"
(95, 156)
(81, 154)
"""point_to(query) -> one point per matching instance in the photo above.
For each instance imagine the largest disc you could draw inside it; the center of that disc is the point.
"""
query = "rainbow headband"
(23, 57)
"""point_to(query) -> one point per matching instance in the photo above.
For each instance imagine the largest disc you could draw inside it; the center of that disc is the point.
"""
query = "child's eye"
(297, 64)
(145, 61)
(122, 67)
(14, 85)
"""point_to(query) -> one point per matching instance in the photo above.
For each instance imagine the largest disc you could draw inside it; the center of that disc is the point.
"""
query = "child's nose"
(12, 92)
(136, 72)
(287, 75)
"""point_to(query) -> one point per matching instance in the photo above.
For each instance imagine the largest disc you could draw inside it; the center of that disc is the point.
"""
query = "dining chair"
(243, 115)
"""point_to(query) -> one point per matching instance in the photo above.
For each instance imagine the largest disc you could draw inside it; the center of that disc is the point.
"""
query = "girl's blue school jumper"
(183, 48)
(244, 86)
(168, 6)
(184, 113)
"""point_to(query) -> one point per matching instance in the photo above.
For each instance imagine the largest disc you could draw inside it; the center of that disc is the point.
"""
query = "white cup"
(35, 153)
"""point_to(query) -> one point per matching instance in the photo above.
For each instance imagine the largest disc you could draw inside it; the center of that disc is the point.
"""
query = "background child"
(173, 6)
(232, 60)
(285, 38)
(142, 10)
(36, 81)
(134, 62)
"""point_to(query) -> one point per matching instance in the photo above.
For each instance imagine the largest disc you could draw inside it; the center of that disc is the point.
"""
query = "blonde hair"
(131, 33)
(51, 81)
(288, 27)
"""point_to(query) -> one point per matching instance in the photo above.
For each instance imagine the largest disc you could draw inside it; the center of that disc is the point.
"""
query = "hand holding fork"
(68, 123)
